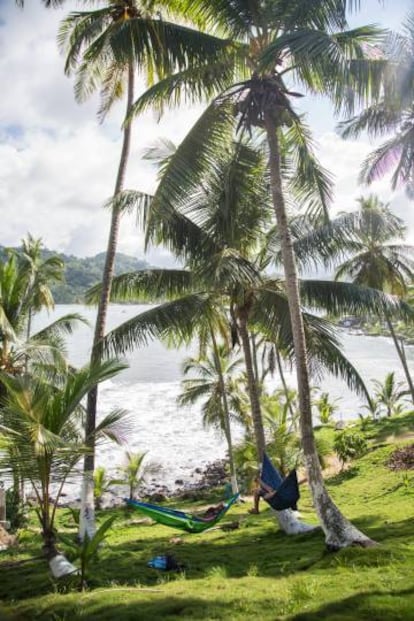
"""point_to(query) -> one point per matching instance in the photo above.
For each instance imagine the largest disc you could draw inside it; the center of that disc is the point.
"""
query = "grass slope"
(252, 572)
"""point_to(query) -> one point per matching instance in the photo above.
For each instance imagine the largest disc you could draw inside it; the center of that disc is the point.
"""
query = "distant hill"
(81, 274)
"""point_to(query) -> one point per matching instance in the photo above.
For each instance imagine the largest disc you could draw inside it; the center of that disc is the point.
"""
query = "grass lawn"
(253, 572)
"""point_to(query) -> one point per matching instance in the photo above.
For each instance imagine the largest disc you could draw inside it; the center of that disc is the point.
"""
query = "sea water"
(173, 437)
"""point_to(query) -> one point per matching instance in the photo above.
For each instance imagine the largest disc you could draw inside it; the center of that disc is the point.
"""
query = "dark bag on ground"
(165, 562)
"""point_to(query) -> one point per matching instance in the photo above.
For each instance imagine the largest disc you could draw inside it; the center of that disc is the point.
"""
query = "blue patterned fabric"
(287, 489)
(269, 474)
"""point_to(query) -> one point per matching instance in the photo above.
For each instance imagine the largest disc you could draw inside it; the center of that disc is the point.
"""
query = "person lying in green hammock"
(210, 513)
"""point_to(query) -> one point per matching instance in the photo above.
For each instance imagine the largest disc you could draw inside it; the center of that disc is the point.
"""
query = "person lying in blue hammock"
(261, 490)
(279, 493)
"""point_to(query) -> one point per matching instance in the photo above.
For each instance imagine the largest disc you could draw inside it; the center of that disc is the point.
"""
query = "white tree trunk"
(92, 399)
(290, 524)
(60, 567)
(234, 484)
(87, 511)
(339, 532)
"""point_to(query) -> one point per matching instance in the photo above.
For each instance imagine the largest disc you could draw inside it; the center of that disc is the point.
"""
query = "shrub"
(350, 444)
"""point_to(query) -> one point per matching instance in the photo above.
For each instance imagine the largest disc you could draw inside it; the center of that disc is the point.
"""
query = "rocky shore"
(212, 475)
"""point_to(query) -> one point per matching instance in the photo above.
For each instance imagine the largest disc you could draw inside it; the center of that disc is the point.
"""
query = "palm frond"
(398, 151)
(62, 326)
(338, 298)
(377, 120)
(188, 87)
(174, 321)
(130, 201)
(145, 285)
(114, 427)
(311, 184)
(185, 172)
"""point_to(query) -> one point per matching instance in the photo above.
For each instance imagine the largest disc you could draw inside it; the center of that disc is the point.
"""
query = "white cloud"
(58, 165)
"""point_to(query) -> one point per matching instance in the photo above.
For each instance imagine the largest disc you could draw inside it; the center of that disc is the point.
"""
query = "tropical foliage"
(350, 444)
(42, 432)
(80, 273)
(224, 204)
(391, 114)
(389, 394)
(132, 472)
(106, 48)
(24, 291)
(309, 47)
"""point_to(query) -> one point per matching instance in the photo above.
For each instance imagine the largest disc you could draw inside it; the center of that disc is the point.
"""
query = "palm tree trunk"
(87, 513)
(256, 365)
(339, 532)
(287, 519)
(285, 387)
(28, 331)
(252, 386)
(401, 355)
(227, 425)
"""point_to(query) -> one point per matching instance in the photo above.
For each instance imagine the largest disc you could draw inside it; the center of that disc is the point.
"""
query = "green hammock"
(179, 519)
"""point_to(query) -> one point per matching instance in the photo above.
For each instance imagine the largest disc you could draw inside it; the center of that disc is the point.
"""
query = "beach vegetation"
(235, 573)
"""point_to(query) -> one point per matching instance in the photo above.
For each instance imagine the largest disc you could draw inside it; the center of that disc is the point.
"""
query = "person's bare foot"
(254, 511)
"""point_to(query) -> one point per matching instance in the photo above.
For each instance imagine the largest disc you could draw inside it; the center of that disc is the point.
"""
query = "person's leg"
(256, 500)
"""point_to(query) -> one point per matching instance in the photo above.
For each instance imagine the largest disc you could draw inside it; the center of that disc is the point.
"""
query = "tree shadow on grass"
(369, 606)
(269, 551)
(132, 607)
(344, 475)
(386, 530)
(393, 426)
(254, 547)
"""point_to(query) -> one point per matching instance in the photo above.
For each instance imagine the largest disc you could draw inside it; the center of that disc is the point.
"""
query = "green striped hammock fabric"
(180, 519)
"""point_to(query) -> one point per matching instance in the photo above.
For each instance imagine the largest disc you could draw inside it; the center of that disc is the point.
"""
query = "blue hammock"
(287, 489)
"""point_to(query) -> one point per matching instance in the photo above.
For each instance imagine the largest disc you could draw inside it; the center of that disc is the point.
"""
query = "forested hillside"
(80, 274)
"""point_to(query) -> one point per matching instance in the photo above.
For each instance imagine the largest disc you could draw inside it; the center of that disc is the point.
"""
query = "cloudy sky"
(58, 164)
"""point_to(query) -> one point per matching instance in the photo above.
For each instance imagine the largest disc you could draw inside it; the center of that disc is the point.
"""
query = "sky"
(58, 163)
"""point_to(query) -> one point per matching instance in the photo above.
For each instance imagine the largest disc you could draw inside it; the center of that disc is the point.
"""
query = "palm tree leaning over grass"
(215, 228)
(284, 43)
(105, 48)
(41, 432)
(392, 114)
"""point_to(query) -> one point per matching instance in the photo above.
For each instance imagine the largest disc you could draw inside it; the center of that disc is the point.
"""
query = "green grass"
(252, 572)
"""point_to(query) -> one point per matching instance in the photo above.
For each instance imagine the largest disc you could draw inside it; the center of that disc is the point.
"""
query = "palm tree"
(326, 408)
(41, 427)
(283, 427)
(380, 263)
(389, 394)
(41, 272)
(392, 114)
(196, 231)
(132, 471)
(23, 292)
(214, 383)
(280, 44)
(105, 48)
